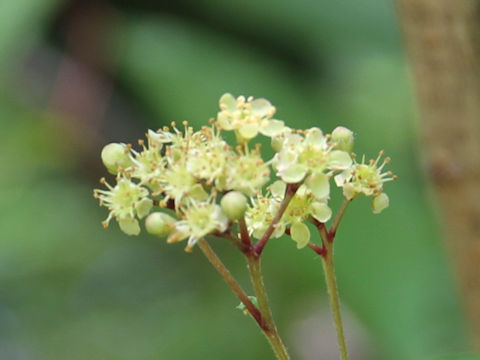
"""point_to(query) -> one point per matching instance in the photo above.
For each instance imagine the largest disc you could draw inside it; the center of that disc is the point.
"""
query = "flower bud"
(159, 224)
(380, 203)
(343, 138)
(234, 205)
(115, 155)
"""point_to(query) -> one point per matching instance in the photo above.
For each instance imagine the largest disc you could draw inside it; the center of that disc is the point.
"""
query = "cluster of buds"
(189, 184)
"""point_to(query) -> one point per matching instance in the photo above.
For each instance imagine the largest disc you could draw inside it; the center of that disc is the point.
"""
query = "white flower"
(246, 173)
(198, 220)
(368, 179)
(126, 201)
(208, 156)
(248, 117)
(307, 157)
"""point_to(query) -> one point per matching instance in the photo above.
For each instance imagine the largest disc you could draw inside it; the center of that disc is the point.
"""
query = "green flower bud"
(343, 138)
(159, 224)
(115, 155)
(234, 205)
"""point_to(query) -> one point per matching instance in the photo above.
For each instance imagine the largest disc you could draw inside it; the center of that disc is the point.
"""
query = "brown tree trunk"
(442, 40)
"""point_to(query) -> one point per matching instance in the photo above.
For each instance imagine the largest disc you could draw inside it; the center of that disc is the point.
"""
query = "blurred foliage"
(69, 289)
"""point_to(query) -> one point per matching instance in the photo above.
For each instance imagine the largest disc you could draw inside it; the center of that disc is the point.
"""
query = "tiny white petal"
(278, 189)
(249, 131)
(300, 234)
(321, 211)
(143, 207)
(315, 136)
(272, 127)
(380, 203)
(228, 101)
(349, 191)
(129, 226)
(339, 160)
(318, 185)
(342, 178)
(294, 173)
(261, 107)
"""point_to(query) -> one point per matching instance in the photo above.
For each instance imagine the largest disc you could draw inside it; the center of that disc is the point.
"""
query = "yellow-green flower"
(126, 201)
(198, 220)
(368, 179)
(308, 156)
(247, 173)
(248, 117)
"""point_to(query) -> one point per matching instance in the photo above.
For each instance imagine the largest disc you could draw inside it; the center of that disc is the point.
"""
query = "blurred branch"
(442, 39)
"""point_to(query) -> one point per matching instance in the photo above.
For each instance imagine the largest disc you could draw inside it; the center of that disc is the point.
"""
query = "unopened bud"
(343, 138)
(234, 205)
(115, 155)
(159, 224)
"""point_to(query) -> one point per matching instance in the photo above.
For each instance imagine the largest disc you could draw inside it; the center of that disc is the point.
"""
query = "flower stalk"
(331, 282)
(230, 280)
(270, 330)
(327, 255)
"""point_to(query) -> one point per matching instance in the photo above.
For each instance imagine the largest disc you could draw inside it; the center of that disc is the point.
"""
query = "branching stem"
(230, 280)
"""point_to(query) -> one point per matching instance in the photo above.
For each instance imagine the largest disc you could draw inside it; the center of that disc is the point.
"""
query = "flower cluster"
(193, 183)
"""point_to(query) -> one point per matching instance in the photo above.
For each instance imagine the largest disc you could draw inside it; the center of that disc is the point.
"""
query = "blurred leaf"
(21, 23)
(339, 27)
(180, 72)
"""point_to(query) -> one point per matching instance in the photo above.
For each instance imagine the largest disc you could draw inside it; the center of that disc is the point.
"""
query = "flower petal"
(261, 107)
(343, 178)
(143, 207)
(318, 185)
(339, 160)
(278, 189)
(321, 211)
(380, 203)
(249, 131)
(228, 102)
(349, 191)
(129, 226)
(294, 173)
(272, 127)
(300, 234)
(224, 121)
(315, 136)
(197, 192)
